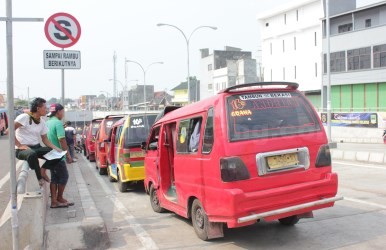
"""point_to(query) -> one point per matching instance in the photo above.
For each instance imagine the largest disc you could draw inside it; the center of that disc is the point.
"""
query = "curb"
(361, 156)
(90, 233)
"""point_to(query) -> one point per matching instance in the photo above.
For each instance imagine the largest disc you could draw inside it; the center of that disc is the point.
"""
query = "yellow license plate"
(280, 161)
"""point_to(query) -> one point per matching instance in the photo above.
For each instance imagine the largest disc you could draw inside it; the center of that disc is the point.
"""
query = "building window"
(295, 43)
(345, 28)
(379, 55)
(285, 18)
(368, 23)
(337, 62)
(315, 40)
(316, 69)
(359, 58)
(266, 24)
(297, 15)
(210, 67)
(224, 85)
(210, 86)
(283, 73)
(270, 47)
(295, 72)
(283, 46)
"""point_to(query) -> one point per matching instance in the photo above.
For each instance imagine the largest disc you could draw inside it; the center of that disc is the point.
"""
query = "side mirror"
(143, 145)
(153, 146)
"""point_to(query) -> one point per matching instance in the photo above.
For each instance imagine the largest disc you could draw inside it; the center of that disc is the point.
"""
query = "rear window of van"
(265, 115)
(95, 126)
(138, 129)
(109, 124)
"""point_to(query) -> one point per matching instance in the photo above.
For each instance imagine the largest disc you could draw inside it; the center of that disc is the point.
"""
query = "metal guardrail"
(22, 179)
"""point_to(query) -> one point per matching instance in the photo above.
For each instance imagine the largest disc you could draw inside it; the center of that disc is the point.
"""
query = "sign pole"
(11, 117)
(62, 85)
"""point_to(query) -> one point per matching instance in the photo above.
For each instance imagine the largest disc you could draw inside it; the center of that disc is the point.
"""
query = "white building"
(225, 68)
(292, 43)
(358, 59)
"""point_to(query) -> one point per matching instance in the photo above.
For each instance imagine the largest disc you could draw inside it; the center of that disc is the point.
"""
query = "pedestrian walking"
(70, 139)
(59, 173)
(30, 129)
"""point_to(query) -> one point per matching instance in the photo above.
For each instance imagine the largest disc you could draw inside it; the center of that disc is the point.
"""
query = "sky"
(128, 27)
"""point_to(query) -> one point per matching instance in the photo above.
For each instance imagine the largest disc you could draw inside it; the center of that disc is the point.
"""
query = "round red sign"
(62, 30)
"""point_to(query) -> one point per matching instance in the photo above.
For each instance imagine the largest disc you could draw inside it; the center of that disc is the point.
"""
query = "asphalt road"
(358, 222)
(362, 147)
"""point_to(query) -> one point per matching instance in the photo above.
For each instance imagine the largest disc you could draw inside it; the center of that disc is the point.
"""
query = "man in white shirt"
(30, 128)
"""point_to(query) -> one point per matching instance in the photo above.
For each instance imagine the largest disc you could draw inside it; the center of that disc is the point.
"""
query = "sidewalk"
(368, 153)
(76, 227)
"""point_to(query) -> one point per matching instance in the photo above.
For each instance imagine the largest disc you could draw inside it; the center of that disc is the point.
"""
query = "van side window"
(189, 135)
(153, 142)
(118, 135)
(208, 140)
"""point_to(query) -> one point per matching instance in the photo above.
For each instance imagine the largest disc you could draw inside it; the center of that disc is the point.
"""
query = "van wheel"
(88, 155)
(102, 171)
(200, 220)
(84, 151)
(122, 186)
(154, 201)
(111, 179)
(2, 132)
(289, 221)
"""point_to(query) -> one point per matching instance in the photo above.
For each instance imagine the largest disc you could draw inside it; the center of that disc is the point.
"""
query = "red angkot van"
(90, 138)
(252, 152)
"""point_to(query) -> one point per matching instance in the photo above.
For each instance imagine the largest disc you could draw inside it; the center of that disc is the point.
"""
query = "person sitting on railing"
(29, 129)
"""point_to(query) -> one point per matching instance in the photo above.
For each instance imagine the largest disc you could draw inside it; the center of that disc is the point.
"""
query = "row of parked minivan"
(252, 152)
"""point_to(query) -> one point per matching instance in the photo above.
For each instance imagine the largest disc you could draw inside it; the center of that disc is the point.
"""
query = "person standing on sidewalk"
(30, 128)
(70, 139)
(59, 173)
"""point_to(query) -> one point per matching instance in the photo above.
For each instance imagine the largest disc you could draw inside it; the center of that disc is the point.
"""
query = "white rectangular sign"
(61, 59)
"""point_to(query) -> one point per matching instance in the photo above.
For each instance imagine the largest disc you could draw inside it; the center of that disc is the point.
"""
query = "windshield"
(261, 115)
(138, 129)
(109, 124)
(95, 127)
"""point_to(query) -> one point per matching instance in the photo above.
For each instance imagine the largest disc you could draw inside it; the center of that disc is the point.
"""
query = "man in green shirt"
(59, 173)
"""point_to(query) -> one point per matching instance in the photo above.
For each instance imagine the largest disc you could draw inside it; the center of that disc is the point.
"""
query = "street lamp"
(187, 40)
(144, 75)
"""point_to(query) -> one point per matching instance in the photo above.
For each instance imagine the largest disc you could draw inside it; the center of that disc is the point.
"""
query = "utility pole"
(115, 75)
(11, 116)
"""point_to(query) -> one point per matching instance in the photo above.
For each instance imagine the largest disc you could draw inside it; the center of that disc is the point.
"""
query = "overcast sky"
(129, 28)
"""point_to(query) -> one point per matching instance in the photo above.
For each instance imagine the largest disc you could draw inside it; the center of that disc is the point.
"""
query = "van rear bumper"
(239, 208)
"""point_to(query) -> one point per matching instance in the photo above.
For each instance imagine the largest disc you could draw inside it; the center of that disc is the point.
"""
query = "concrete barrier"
(31, 215)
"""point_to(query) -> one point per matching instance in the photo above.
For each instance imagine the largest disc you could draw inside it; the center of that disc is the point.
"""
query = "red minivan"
(90, 138)
(252, 152)
(100, 141)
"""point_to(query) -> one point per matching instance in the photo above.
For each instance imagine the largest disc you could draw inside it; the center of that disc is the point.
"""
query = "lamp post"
(187, 40)
(144, 75)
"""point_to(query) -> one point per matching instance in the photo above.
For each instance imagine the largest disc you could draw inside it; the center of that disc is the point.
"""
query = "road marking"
(139, 231)
(365, 202)
(348, 164)
(7, 176)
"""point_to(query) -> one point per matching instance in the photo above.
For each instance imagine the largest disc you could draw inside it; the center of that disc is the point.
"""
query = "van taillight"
(233, 169)
(126, 156)
(324, 157)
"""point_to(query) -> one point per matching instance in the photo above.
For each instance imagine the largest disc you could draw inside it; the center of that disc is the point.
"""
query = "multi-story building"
(357, 59)
(291, 44)
(135, 96)
(180, 97)
(225, 68)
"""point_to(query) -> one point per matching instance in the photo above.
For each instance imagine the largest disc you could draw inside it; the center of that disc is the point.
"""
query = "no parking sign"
(62, 30)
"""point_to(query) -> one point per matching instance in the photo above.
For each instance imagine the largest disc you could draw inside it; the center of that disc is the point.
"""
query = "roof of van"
(208, 102)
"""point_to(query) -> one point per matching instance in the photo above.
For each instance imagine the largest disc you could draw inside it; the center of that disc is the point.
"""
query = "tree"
(21, 103)
(52, 101)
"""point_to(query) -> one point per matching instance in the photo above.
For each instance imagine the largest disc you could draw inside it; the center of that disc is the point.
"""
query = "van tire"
(111, 179)
(84, 151)
(289, 221)
(122, 186)
(154, 200)
(200, 220)
(102, 171)
(2, 132)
